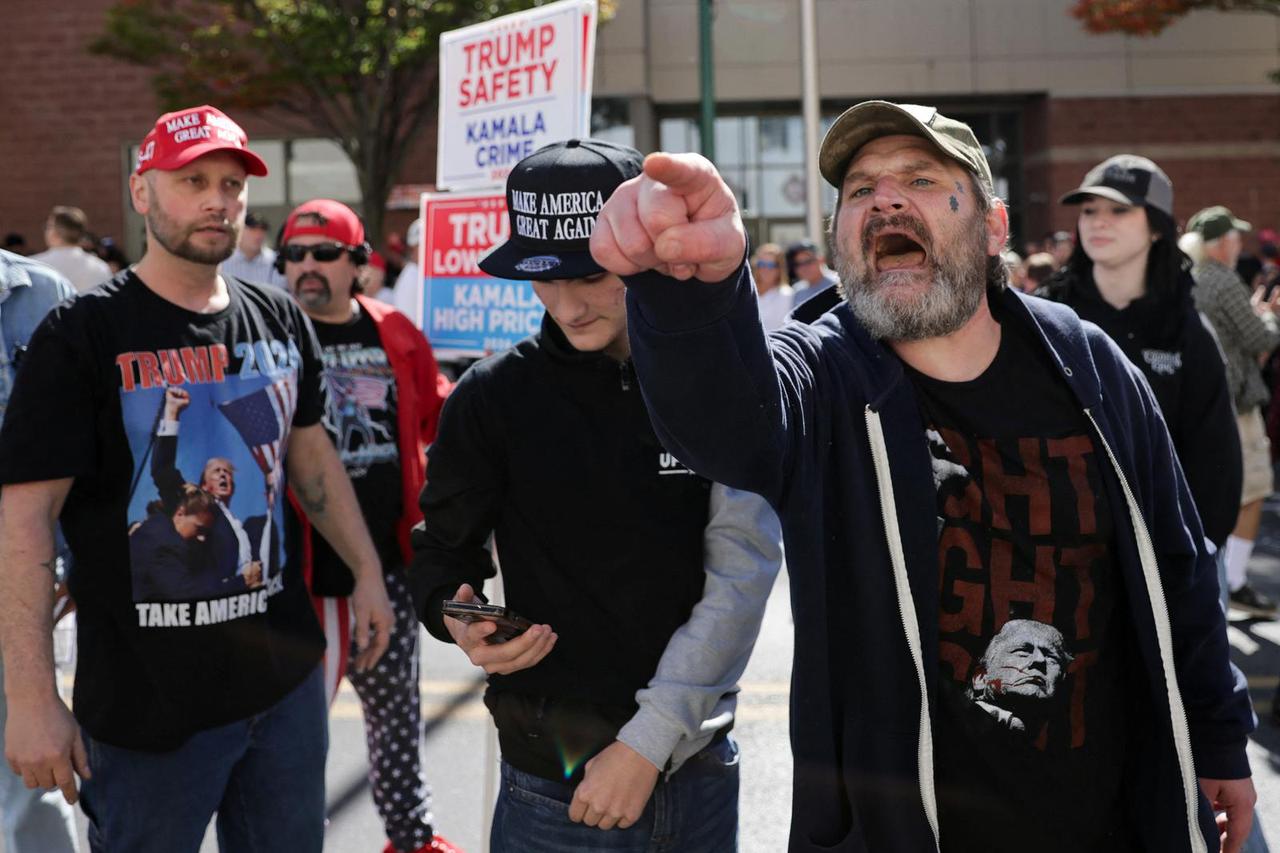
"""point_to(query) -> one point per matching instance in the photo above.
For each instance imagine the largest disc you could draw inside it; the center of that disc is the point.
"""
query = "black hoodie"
(1169, 342)
(551, 450)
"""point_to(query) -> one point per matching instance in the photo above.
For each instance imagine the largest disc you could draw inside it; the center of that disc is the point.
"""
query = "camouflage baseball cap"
(870, 120)
(1212, 222)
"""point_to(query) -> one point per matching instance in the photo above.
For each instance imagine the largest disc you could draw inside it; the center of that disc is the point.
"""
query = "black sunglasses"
(296, 253)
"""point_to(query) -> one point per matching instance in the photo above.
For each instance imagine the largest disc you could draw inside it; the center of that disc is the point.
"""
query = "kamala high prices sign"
(511, 85)
(465, 313)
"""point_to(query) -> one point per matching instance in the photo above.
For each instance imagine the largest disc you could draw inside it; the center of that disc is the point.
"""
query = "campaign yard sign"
(511, 85)
(465, 313)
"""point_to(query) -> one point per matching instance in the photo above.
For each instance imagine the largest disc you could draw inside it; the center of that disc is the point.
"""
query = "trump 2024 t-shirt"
(173, 425)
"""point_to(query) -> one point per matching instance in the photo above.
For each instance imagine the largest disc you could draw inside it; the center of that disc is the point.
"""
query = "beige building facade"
(1048, 100)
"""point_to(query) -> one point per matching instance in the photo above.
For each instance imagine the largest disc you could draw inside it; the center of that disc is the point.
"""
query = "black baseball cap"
(1128, 179)
(255, 220)
(553, 198)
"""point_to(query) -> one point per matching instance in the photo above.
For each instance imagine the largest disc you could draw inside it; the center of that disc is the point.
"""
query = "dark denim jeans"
(264, 776)
(693, 811)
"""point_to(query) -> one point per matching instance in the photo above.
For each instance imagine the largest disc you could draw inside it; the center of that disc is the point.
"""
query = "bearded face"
(906, 284)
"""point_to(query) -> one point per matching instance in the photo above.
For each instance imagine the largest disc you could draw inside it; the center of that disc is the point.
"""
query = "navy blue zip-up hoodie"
(821, 420)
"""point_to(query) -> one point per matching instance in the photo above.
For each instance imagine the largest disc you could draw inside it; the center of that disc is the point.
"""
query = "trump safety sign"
(466, 313)
(511, 85)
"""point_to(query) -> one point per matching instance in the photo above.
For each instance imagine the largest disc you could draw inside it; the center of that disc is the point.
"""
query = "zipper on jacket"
(1164, 637)
(907, 613)
(624, 375)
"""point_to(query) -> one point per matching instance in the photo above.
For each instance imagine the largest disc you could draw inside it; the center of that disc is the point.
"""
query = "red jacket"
(419, 396)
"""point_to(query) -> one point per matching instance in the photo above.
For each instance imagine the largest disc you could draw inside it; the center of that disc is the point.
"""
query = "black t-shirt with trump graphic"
(173, 426)
(1030, 723)
(361, 419)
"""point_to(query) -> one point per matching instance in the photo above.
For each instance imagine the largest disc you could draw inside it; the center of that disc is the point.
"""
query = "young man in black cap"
(646, 582)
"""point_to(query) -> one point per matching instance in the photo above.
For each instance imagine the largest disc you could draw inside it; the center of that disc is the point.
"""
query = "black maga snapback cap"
(1127, 179)
(553, 198)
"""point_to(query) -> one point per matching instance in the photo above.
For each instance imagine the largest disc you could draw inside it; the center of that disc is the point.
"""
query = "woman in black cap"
(1127, 275)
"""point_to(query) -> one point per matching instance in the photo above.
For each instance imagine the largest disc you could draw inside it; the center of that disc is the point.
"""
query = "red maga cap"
(325, 217)
(180, 137)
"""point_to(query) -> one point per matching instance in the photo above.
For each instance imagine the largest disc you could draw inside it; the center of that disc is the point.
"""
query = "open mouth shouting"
(895, 250)
(895, 243)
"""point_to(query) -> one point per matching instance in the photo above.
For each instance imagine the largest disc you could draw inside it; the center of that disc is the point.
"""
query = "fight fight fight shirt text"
(1029, 728)
(173, 425)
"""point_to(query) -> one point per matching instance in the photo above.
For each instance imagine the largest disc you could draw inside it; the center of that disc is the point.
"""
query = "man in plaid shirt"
(1247, 330)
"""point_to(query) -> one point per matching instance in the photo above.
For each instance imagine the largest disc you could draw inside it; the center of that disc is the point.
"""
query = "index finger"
(65, 778)
(378, 645)
(684, 173)
(1239, 822)
(577, 807)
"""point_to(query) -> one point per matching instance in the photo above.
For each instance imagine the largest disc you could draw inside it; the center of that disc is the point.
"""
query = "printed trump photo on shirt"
(206, 500)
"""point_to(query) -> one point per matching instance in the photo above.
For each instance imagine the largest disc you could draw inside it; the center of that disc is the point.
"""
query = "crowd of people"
(1017, 499)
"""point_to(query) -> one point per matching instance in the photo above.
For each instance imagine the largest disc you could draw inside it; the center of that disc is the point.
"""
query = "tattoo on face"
(960, 188)
(955, 205)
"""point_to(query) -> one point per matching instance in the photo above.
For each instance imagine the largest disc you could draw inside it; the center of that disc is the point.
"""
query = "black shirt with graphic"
(1030, 723)
(172, 424)
(361, 419)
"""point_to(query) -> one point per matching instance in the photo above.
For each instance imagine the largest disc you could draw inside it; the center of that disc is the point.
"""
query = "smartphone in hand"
(509, 624)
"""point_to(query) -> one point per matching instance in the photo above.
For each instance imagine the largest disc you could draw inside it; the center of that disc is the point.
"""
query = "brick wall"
(1215, 149)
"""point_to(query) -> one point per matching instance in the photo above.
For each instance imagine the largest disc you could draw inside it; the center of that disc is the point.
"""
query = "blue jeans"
(695, 810)
(263, 776)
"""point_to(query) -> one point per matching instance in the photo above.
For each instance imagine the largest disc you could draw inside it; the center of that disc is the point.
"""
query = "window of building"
(611, 121)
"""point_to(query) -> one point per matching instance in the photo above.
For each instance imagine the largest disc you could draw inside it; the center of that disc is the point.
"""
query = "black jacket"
(821, 421)
(1169, 342)
(551, 450)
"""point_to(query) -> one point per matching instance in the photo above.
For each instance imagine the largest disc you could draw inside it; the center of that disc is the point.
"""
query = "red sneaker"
(436, 845)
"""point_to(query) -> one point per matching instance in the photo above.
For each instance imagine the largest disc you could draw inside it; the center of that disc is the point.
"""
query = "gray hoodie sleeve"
(693, 693)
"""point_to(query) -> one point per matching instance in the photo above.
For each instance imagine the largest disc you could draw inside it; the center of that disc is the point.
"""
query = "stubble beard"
(176, 239)
(958, 274)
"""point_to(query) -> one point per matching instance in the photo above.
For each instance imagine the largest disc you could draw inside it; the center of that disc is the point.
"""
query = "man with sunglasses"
(808, 271)
(382, 412)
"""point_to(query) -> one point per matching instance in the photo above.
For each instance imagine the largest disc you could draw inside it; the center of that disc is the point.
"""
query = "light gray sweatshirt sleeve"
(694, 692)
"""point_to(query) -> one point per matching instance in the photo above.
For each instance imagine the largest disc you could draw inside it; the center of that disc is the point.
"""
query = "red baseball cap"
(180, 137)
(325, 217)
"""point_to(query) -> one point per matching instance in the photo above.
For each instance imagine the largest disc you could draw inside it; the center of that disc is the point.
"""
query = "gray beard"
(959, 282)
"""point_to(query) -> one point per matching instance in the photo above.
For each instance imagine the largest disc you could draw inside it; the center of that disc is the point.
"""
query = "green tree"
(361, 72)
